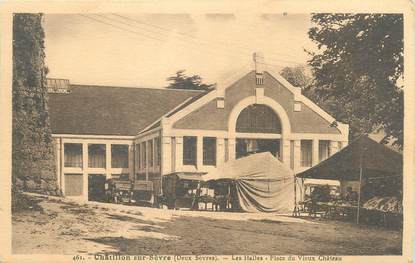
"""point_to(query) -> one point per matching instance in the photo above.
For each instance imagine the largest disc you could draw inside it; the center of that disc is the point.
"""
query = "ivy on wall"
(33, 165)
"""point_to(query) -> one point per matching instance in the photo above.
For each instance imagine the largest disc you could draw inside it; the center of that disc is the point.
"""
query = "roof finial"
(259, 68)
(259, 62)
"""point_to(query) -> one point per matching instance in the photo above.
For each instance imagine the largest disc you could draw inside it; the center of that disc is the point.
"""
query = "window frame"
(150, 151)
(157, 152)
(104, 151)
(66, 155)
(321, 145)
(258, 118)
(209, 160)
(309, 161)
(144, 155)
(113, 146)
(192, 151)
(138, 156)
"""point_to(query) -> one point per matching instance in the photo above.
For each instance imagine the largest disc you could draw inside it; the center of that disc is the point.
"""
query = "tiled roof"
(177, 109)
(102, 110)
(190, 101)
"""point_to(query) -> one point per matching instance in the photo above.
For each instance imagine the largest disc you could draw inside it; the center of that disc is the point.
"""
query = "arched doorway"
(258, 129)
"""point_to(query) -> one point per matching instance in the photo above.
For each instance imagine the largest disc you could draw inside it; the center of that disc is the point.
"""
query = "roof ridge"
(138, 88)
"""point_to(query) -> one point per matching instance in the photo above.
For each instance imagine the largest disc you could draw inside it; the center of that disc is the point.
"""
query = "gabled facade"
(258, 111)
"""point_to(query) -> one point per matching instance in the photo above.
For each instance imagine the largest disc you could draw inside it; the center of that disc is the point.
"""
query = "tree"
(299, 77)
(194, 82)
(359, 70)
(33, 164)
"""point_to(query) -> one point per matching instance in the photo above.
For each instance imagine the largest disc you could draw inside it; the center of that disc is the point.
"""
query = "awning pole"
(295, 195)
(360, 192)
(362, 152)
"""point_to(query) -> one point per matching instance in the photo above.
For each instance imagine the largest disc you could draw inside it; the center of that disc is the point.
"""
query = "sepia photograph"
(208, 136)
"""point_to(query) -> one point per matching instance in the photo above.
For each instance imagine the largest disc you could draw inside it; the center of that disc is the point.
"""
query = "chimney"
(259, 67)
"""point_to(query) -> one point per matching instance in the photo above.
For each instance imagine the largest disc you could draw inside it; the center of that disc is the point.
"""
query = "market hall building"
(143, 134)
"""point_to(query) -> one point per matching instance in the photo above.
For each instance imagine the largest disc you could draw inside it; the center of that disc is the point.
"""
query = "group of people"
(324, 193)
(223, 198)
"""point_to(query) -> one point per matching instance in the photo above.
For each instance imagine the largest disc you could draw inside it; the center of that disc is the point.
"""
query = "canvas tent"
(364, 153)
(262, 183)
(363, 159)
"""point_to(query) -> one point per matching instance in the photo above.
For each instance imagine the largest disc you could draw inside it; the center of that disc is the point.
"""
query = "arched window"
(258, 119)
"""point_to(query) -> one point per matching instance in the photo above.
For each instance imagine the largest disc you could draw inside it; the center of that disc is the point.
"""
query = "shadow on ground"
(24, 203)
(202, 235)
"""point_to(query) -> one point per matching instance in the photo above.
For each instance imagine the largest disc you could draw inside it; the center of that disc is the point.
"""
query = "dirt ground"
(63, 226)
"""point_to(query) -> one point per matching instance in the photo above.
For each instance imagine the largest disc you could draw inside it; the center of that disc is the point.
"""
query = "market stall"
(365, 170)
(257, 183)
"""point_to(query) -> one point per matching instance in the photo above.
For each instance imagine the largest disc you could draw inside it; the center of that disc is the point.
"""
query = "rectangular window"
(157, 152)
(143, 155)
(96, 155)
(173, 154)
(306, 153)
(137, 156)
(119, 156)
(140, 176)
(189, 150)
(150, 153)
(73, 155)
(209, 151)
(323, 150)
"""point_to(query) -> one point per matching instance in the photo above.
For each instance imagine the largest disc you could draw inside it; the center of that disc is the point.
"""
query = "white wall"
(85, 170)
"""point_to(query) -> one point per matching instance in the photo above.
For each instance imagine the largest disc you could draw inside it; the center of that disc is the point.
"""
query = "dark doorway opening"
(96, 187)
(245, 147)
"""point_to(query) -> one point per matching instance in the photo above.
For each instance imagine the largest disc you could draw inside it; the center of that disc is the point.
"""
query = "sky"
(142, 50)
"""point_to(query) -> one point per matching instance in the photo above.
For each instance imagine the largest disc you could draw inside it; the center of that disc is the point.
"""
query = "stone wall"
(33, 166)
